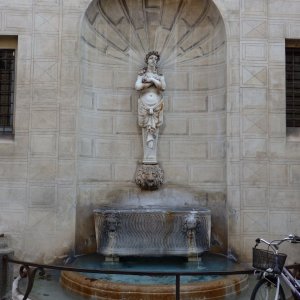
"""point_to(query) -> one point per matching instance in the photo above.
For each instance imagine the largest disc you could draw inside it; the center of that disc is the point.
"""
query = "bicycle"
(269, 266)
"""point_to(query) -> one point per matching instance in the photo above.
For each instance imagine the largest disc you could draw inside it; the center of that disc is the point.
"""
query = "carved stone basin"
(152, 231)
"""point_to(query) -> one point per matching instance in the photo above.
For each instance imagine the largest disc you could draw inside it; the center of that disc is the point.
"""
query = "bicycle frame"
(291, 282)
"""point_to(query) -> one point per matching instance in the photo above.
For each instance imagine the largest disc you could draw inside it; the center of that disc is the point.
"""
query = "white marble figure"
(151, 84)
(15, 293)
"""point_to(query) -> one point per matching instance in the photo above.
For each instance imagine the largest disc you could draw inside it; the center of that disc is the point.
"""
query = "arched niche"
(115, 36)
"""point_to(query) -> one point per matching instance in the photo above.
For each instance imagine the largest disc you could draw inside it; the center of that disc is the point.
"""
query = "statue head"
(155, 53)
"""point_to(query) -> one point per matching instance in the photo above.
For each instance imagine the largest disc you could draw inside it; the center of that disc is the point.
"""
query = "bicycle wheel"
(266, 290)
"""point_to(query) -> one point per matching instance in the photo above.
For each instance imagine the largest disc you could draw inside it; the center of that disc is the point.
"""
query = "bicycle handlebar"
(275, 243)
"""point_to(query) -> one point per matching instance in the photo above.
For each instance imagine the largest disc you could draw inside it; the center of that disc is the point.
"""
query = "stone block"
(92, 123)
(176, 173)
(45, 71)
(189, 149)
(214, 125)
(70, 23)
(279, 174)
(87, 100)
(66, 170)
(277, 77)
(114, 102)
(67, 121)
(234, 197)
(86, 146)
(12, 221)
(277, 29)
(255, 197)
(234, 29)
(18, 21)
(254, 76)
(45, 95)
(254, 7)
(46, 22)
(16, 148)
(234, 75)
(255, 222)
(13, 171)
(279, 223)
(124, 172)
(69, 49)
(13, 197)
(94, 171)
(69, 73)
(23, 95)
(212, 78)
(43, 145)
(24, 71)
(255, 148)
(255, 124)
(233, 173)
(277, 125)
(22, 120)
(114, 149)
(124, 79)
(163, 152)
(176, 125)
(46, 46)
(254, 28)
(284, 198)
(295, 174)
(177, 81)
(254, 51)
(126, 124)
(67, 147)
(44, 119)
(233, 100)
(204, 173)
(42, 196)
(24, 46)
(41, 222)
(276, 99)
(66, 205)
(234, 52)
(255, 173)
(282, 150)
(217, 102)
(233, 149)
(189, 103)
(96, 77)
(254, 98)
(277, 53)
(217, 150)
(234, 221)
(42, 170)
(279, 8)
(68, 96)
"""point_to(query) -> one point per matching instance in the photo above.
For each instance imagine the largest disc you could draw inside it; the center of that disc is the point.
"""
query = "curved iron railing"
(29, 269)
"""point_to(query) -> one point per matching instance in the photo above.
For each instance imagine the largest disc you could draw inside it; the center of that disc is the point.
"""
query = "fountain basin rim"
(153, 209)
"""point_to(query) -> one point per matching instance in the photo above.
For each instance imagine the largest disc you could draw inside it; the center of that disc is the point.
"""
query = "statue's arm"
(160, 84)
(140, 85)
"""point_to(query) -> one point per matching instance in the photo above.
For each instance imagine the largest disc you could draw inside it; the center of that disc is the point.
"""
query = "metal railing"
(29, 269)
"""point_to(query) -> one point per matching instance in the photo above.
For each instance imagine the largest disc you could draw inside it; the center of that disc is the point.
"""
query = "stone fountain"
(140, 228)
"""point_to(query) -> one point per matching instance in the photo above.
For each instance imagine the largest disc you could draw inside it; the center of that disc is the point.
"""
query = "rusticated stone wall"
(76, 137)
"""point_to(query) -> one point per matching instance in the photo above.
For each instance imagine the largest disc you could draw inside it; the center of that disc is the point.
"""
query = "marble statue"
(151, 84)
